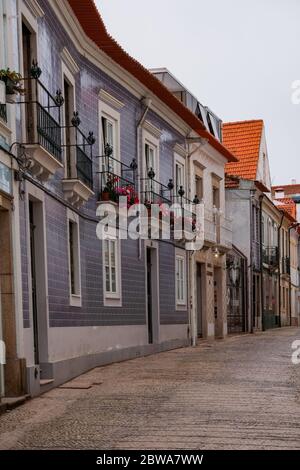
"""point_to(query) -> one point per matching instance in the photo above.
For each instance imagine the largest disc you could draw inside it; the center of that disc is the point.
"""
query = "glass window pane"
(113, 280)
(107, 280)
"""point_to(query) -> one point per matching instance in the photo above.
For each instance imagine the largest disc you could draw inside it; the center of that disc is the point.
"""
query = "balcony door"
(152, 294)
(151, 187)
(68, 114)
(39, 287)
(29, 53)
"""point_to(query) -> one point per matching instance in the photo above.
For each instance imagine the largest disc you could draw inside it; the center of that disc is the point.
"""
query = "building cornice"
(148, 126)
(110, 100)
(180, 150)
(69, 61)
(34, 8)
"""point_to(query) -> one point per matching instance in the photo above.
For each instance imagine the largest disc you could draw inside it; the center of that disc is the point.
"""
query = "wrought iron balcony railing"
(3, 113)
(155, 192)
(83, 155)
(43, 114)
(116, 178)
(270, 256)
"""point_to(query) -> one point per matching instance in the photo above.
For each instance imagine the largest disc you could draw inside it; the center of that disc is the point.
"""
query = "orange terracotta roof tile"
(92, 24)
(243, 139)
(287, 205)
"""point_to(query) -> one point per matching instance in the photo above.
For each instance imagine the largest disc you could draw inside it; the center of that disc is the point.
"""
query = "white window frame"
(153, 143)
(179, 161)
(4, 38)
(109, 113)
(67, 74)
(112, 299)
(75, 299)
(181, 303)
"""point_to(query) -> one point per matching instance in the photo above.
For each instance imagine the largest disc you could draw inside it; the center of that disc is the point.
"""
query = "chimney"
(293, 181)
(279, 193)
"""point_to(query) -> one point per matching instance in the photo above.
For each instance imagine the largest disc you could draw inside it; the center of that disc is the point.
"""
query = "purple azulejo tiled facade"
(87, 302)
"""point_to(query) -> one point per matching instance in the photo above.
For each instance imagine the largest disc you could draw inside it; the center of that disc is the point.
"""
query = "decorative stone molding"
(69, 61)
(180, 150)
(43, 165)
(110, 100)
(152, 129)
(76, 192)
(34, 8)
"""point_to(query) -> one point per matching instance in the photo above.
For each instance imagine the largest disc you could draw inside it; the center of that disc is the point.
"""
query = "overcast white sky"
(239, 57)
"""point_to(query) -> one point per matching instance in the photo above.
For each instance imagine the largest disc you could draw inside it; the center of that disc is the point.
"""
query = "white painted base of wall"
(169, 332)
(70, 342)
(210, 330)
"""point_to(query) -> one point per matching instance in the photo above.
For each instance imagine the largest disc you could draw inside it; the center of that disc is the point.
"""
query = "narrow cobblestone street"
(240, 393)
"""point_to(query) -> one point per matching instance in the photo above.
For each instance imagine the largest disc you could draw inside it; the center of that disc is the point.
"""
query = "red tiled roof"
(243, 140)
(93, 26)
(287, 205)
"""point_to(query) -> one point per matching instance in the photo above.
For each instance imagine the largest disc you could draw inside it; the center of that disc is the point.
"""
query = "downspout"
(191, 257)
(290, 281)
(279, 270)
(261, 264)
(251, 258)
(294, 226)
(147, 103)
(191, 273)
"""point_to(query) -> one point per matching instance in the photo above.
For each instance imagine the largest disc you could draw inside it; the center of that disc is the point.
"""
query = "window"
(199, 187)
(74, 259)
(3, 35)
(110, 135)
(216, 197)
(68, 112)
(150, 163)
(108, 139)
(180, 280)
(216, 190)
(179, 176)
(179, 181)
(111, 269)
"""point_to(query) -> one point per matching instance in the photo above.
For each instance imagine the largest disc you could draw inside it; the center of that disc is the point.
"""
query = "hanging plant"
(12, 82)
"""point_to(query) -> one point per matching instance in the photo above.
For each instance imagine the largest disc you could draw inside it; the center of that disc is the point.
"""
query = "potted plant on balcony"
(109, 191)
(13, 85)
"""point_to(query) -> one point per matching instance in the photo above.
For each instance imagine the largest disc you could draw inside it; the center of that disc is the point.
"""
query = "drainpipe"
(294, 226)
(290, 281)
(252, 193)
(191, 257)
(147, 103)
(279, 265)
(261, 264)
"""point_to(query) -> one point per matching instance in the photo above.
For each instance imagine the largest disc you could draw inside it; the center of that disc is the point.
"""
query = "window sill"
(112, 301)
(75, 300)
(181, 307)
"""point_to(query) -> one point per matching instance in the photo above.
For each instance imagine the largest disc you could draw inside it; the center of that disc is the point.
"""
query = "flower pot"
(9, 85)
(105, 196)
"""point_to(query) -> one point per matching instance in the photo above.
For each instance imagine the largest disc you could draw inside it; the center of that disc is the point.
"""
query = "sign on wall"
(5, 178)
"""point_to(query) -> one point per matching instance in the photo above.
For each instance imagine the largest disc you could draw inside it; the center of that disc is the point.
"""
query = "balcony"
(286, 266)
(78, 186)
(224, 241)
(270, 257)
(210, 228)
(117, 179)
(43, 142)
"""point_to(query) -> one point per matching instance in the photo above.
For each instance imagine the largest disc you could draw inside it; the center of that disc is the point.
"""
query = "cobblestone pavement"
(239, 393)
